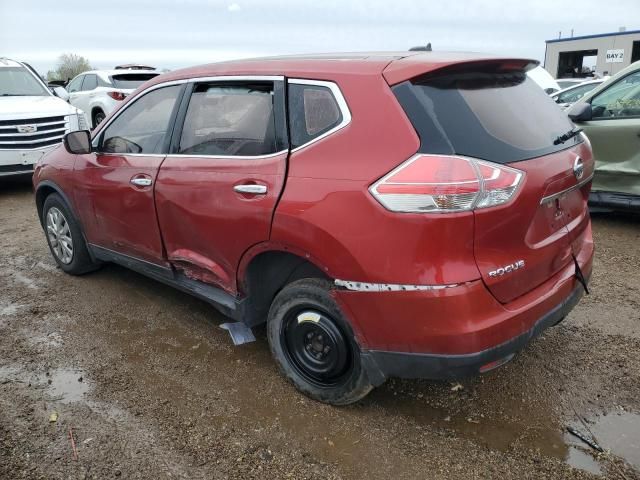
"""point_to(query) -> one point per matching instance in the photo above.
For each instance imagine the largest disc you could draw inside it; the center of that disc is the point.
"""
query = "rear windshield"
(501, 117)
(131, 80)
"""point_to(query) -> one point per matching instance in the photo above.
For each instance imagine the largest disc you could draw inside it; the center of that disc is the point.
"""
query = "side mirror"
(581, 112)
(61, 93)
(78, 142)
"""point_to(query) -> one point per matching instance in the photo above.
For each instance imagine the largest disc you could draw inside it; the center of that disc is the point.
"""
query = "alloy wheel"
(59, 235)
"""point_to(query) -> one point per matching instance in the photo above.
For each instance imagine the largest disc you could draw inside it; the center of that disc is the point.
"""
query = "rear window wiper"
(566, 136)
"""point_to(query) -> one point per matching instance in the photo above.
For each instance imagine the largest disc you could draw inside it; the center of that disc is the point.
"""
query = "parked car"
(610, 116)
(99, 92)
(544, 79)
(567, 97)
(32, 119)
(387, 215)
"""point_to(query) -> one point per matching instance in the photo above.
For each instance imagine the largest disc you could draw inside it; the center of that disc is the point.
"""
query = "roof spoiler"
(422, 65)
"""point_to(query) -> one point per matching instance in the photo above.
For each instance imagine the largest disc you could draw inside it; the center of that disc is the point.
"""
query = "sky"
(179, 33)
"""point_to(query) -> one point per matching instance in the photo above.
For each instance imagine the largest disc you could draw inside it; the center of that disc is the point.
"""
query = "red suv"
(387, 215)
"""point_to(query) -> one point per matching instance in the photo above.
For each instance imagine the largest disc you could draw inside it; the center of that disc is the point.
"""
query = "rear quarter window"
(313, 111)
(500, 117)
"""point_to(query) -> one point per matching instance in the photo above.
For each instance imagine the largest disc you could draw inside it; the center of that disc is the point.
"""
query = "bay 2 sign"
(615, 56)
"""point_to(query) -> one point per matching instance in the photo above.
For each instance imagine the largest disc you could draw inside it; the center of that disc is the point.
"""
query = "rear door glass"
(501, 117)
(90, 82)
(230, 120)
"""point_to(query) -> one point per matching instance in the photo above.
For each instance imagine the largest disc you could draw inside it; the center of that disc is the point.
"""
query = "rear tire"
(65, 238)
(314, 345)
(98, 116)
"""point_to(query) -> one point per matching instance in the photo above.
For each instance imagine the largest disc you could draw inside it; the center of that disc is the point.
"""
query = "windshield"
(131, 80)
(18, 81)
(501, 117)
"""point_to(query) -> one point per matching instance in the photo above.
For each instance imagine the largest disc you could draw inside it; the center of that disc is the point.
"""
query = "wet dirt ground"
(113, 375)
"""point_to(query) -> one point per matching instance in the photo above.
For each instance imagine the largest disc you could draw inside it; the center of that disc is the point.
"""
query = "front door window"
(621, 100)
(142, 127)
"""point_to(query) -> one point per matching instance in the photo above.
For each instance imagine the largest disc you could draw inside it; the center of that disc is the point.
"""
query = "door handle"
(251, 189)
(140, 181)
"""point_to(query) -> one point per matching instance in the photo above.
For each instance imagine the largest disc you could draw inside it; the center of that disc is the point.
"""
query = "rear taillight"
(116, 95)
(443, 183)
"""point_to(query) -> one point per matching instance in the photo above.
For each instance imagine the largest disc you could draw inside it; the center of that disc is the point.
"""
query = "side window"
(575, 94)
(230, 120)
(142, 126)
(313, 111)
(102, 82)
(75, 84)
(620, 100)
(90, 82)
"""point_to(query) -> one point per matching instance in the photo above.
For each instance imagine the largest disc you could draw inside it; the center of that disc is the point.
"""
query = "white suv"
(98, 92)
(32, 119)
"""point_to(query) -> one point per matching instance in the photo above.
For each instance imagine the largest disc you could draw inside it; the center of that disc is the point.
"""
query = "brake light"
(443, 183)
(116, 95)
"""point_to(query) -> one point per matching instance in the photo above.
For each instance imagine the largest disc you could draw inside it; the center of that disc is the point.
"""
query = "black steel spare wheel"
(313, 344)
(317, 347)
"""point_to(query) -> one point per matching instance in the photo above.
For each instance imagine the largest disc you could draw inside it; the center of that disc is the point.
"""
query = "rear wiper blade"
(566, 136)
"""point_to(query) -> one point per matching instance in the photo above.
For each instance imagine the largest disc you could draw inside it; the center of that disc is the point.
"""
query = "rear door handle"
(141, 181)
(251, 189)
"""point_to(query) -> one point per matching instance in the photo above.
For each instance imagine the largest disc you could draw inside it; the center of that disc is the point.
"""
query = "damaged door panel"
(218, 187)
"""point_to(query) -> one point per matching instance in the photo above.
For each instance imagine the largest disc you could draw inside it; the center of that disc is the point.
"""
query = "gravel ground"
(147, 385)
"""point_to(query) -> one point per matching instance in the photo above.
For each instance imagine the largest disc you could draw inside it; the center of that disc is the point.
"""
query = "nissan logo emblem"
(578, 168)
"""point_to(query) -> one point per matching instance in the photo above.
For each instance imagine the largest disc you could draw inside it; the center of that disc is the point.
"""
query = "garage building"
(608, 52)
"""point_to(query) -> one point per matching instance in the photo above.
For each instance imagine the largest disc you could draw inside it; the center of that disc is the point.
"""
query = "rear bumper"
(615, 201)
(381, 365)
(457, 331)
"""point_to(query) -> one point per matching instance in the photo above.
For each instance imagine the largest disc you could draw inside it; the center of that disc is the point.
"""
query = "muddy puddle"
(66, 386)
(59, 385)
(616, 432)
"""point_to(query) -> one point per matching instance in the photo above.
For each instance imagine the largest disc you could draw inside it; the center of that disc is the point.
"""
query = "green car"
(610, 116)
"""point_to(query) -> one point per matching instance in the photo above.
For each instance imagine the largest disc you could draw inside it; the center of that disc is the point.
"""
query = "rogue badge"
(512, 267)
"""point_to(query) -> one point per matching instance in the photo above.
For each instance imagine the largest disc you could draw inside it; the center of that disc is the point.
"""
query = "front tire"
(65, 238)
(313, 344)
